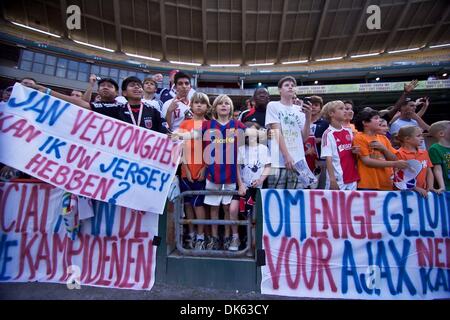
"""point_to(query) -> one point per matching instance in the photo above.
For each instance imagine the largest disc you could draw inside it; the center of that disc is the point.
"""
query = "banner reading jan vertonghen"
(86, 153)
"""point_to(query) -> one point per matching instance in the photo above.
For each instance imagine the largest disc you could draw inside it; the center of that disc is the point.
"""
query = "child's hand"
(289, 163)
(356, 150)
(423, 192)
(401, 164)
(242, 190)
(189, 176)
(257, 183)
(438, 191)
(201, 174)
(173, 105)
(377, 145)
(174, 136)
(334, 185)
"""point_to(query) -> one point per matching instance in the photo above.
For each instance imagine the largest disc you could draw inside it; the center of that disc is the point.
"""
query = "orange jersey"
(423, 158)
(373, 178)
(192, 149)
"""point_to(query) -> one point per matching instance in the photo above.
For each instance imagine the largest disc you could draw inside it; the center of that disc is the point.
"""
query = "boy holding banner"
(135, 111)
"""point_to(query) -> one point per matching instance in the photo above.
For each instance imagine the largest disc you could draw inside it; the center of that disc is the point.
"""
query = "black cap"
(110, 80)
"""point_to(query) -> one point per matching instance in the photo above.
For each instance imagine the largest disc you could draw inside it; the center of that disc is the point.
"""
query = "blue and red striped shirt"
(220, 149)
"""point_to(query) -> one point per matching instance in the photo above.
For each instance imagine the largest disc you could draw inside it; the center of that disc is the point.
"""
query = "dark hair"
(29, 78)
(349, 102)
(364, 116)
(287, 78)
(316, 99)
(128, 80)
(112, 81)
(181, 75)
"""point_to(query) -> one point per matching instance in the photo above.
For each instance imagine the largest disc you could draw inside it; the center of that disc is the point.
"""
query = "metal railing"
(180, 221)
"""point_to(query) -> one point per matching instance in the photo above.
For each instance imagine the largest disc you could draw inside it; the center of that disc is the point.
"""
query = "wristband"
(48, 91)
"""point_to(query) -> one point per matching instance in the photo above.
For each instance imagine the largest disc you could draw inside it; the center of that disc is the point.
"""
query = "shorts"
(247, 202)
(281, 178)
(194, 200)
(343, 186)
(217, 200)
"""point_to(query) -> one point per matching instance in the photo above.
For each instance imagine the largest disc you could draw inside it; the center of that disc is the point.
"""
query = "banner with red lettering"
(86, 153)
(113, 249)
(356, 244)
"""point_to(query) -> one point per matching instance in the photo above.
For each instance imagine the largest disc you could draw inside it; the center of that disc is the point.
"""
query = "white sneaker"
(234, 245)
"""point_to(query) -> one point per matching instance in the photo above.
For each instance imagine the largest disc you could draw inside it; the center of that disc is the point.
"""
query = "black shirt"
(318, 128)
(151, 118)
(254, 115)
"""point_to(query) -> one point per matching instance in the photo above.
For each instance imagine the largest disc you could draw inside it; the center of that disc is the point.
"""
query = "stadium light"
(404, 50)
(186, 63)
(329, 59)
(377, 79)
(444, 75)
(440, 45)
(142, 57)
(316, 82)
(224, 65)
(261, 64)
(34, 29)
(365, 55)
(295, 62)
(93, 46)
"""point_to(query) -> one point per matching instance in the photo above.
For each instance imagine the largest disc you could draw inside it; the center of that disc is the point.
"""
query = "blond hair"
(438, 127)
(406, 132)
(220, 99)
(200, 97)
(329, 108)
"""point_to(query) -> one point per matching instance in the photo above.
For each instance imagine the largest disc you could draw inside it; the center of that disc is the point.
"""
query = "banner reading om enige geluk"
(356, 244)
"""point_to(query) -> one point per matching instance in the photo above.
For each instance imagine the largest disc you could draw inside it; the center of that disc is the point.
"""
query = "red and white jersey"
(337, 144)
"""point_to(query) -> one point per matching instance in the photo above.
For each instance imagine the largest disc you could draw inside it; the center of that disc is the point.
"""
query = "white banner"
(112, 249)
(86, 153)
(356, 245)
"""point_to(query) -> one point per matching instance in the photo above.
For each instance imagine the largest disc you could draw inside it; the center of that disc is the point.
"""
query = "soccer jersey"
(337, 144)
(178, 115)
(423, 158)
(192, 149)
(220, 142)
(254, 115)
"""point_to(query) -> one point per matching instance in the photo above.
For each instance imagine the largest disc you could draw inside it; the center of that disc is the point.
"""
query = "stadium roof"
(241, 32)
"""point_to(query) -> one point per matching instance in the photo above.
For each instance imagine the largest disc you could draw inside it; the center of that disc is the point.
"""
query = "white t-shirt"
(400, 123)
(178, 114)
(155, 103)
(251, 160)
(292, 122)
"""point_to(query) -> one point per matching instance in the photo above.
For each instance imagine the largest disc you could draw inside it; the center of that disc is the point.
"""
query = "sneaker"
(188, 242)
(234, 245)
(213, 244)
(226, 243)
(199, 244)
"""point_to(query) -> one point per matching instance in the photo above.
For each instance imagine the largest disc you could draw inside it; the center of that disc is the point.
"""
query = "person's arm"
(242, 189)
(408, 88)
(430, 179)
(388, 154)
(169, 114)
(307, 127)
(426, 104)
(375, 163)
(77, 101)
(422, 124)
(275, 128)
(87, 96)
(330, 170)
(437, 170)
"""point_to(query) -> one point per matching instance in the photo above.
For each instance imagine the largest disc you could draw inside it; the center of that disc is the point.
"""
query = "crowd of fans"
(291, 143)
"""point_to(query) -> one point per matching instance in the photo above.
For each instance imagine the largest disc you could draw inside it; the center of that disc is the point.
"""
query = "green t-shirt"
(441, 155)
